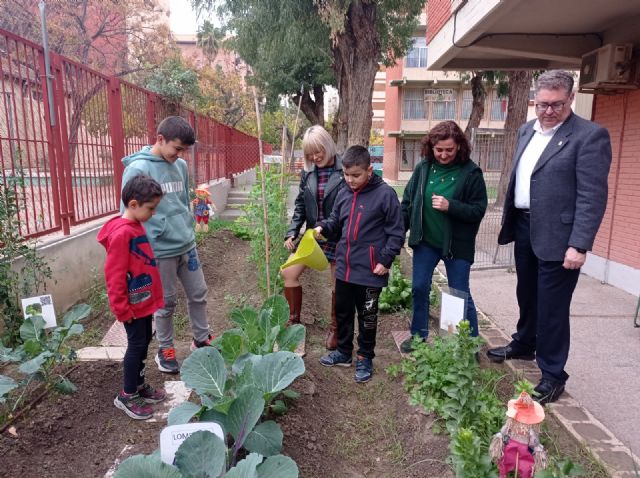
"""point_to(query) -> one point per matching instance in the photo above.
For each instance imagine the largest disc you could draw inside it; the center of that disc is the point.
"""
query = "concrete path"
(604, 361)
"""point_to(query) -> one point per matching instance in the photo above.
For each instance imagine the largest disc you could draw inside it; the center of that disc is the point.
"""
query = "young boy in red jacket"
(134, 289)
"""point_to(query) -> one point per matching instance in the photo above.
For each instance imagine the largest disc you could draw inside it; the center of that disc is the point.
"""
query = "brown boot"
(294, 298)
(331, 341)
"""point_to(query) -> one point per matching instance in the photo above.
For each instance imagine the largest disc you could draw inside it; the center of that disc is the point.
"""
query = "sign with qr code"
(41, 305)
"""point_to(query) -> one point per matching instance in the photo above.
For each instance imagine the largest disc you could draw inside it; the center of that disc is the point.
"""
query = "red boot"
(331, 341)
(294, 298)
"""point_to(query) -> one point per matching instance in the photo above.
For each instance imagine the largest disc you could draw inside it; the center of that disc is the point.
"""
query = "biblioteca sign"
(438, 94)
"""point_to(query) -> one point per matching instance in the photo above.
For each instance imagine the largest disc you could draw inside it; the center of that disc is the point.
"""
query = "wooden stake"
(283, 146)
(265, 221)
(517, 460)
(295, 125)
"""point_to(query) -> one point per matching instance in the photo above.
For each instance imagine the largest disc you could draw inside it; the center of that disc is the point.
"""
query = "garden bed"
(336, 428)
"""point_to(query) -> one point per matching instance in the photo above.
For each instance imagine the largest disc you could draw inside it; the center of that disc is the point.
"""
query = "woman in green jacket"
(442, 207)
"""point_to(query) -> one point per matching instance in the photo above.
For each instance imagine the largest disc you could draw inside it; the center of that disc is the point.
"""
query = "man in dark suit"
(555, 202)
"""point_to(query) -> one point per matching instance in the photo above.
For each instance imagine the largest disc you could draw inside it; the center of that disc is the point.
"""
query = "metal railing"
(71, 172)
(488, 153)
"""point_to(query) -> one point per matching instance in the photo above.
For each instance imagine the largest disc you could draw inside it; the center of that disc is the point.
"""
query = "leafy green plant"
(241, 229)
(40, 353)
(445, 378)
(277, 227)
(234, 397)
(434, 296)
(203, 455)
(469, 457)
(560, 469)
(397, 295)
(34, 269)
(260, 331)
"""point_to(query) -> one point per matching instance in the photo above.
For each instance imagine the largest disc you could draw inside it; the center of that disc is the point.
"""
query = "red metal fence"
(70, 173)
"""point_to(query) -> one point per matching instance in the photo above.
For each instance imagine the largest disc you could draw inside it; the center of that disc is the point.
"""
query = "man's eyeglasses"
(556, 107)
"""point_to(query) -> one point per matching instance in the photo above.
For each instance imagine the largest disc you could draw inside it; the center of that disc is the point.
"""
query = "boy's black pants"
(138, 338)
(349, 299)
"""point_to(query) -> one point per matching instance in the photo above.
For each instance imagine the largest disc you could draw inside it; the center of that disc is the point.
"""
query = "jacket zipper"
(372, 258)
(422, 191)
(353, 206)
(466, 179)
(355, 231)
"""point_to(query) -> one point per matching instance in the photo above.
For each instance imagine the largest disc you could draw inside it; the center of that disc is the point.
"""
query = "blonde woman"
(320, 183)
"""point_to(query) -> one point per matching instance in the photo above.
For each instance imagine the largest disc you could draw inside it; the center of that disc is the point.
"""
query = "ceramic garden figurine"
(516, 446)
(202, 206)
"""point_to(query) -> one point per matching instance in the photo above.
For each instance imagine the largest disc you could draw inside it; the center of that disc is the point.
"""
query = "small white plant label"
(41, 305)
(172, 437)
(453, 309)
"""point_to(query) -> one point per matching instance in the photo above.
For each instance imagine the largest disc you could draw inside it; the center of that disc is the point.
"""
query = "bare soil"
(337, 428)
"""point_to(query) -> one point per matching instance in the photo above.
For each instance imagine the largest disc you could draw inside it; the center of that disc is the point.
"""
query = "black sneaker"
(133, 405)
(364, 370)
(336, 358)
(196, 344)
(166, 360)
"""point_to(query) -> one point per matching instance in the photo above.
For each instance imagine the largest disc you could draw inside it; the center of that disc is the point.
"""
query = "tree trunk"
(519, 86)
(479, 95)
(312, 108)
(355, 52)
(340, 122)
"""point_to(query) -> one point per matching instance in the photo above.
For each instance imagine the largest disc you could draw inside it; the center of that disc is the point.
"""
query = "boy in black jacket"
(367, 215)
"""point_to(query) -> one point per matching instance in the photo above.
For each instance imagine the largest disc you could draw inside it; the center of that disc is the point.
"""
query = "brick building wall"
(619, 236)
(392, 122)
(438, 12)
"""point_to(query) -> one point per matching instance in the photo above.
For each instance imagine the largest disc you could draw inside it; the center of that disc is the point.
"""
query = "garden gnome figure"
(202, 206)
(516, 446)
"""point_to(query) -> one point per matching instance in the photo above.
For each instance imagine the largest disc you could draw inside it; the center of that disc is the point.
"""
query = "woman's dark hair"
(141, 188)
(442, 132)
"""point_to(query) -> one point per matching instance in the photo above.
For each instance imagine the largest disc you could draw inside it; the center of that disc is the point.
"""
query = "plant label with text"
(172, 437)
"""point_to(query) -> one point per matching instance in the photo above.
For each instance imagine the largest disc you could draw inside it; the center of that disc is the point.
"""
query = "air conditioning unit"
(609, 67)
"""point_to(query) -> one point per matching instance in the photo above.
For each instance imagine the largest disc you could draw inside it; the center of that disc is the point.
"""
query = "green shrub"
(277, 227)
(397, 295)
(34, 268)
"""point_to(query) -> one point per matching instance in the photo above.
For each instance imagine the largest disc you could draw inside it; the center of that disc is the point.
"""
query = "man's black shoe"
(500, 354)
(547, 391)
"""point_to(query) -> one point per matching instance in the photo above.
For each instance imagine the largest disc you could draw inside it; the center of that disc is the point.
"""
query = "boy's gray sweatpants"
(187, 268)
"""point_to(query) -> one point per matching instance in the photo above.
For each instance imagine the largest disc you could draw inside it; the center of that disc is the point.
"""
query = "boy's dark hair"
(176, 127)
(356, 156)
(141, 188)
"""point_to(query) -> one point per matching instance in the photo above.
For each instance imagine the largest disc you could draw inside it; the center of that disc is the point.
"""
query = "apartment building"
(415, 99)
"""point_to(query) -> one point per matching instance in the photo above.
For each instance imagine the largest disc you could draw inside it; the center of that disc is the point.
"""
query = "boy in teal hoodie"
(170, 232)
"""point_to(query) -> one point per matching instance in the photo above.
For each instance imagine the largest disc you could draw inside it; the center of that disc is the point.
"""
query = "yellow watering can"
(308, 254)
